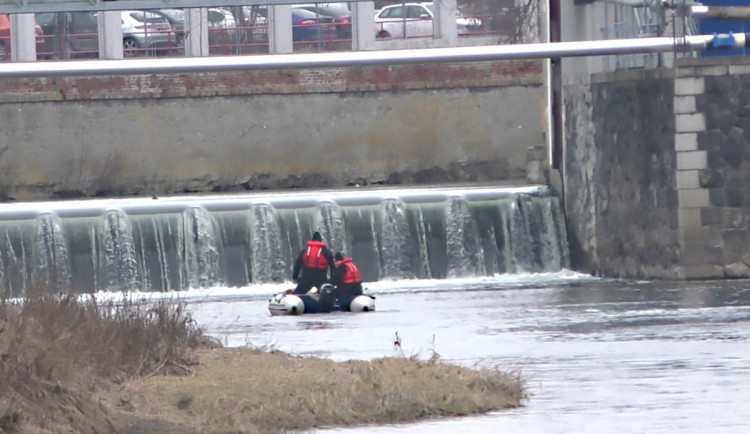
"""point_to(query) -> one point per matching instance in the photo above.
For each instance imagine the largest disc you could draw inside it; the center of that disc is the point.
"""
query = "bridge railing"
(251, 36)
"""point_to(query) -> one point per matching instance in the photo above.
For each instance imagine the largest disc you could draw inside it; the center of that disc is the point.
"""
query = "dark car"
(340, 13)
(309, 26)
(69, 34)
(5, 37)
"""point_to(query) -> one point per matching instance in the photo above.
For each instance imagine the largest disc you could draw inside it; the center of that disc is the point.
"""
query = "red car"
(5, 37)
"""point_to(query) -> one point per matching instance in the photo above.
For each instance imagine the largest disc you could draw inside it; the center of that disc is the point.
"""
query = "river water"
(598, 356)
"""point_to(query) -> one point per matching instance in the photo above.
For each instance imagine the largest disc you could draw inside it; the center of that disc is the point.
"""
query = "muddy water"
(598, 356)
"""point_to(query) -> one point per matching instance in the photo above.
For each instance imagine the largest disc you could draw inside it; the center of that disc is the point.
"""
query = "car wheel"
(128, 45)
(383, 35)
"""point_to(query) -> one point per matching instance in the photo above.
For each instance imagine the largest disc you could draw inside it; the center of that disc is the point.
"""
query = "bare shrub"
(54, 349)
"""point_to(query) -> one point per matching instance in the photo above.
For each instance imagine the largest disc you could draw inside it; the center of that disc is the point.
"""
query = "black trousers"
(311, 277)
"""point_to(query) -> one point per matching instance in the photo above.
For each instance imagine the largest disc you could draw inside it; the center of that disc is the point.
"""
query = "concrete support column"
(196, 32)
(110, 35)
(22, 37)
(701, 246)
(280, 29)
(363, 26)
(445, 22)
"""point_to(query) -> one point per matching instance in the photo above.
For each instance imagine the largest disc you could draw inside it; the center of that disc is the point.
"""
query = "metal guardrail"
(374, 58)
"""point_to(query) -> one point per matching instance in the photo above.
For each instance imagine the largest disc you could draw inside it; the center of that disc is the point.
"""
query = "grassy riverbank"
(129, 368)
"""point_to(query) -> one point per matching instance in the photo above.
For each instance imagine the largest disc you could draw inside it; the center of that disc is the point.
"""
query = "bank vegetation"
(87, 367)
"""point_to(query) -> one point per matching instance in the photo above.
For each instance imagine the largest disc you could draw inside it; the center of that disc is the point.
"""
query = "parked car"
(309, 26)
(413, 20)
(222, 27)
(69, 34)
(256, 22)
(5, 37)
(145, 30)
(340, 12)
(306, 26)
(176, 18)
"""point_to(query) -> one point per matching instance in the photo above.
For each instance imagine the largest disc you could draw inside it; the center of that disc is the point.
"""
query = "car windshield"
(175, 14)
(45, 19)
(431, 7)
(148, 17)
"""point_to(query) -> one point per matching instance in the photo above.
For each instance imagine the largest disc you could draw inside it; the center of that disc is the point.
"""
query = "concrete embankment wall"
(229, 131)
(657, 171)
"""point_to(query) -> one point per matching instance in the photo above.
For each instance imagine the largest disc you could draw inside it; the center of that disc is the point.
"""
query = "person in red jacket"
(347, 281)
(313, 262)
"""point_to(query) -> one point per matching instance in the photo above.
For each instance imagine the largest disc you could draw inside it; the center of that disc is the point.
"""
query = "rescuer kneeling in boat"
(347, 281)
(314, 262)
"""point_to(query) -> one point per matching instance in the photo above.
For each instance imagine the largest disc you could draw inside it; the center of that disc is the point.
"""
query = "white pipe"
(370, 58)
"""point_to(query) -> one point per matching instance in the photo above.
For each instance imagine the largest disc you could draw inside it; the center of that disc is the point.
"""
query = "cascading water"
(117, 257)
(51, 254)
(395, 246)
(201, 247)
(198, 242)
(267, 261)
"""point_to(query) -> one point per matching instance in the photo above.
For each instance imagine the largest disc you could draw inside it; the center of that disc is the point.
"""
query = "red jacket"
(313, 256)
(346, 273)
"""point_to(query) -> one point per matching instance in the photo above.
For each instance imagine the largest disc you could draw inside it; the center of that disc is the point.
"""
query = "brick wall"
(301, 81)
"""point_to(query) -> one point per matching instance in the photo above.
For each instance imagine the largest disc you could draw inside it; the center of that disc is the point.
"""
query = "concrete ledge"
(631, 75)
(701, 236)
(712, 70)
(684, 104)
(689, 86)
(739, 69)
(702, 255)
(698, 272)
(689, 218)
(684, 142)
(688, 179)
(694, 160)
(697, 198)
(704, 61)
(687, 123)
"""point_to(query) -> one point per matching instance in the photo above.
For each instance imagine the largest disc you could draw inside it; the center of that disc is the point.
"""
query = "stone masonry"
(657, 171)
(712, 112)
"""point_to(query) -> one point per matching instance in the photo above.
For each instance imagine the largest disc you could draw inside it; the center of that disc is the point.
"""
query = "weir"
(172, 244)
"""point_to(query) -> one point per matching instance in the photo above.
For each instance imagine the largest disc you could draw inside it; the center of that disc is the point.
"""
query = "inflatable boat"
(316, 301)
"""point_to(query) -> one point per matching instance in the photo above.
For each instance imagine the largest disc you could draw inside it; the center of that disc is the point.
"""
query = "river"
(598, 356)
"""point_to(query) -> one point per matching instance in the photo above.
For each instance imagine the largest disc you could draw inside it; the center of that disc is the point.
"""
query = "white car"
(414, 20)
(145, 30)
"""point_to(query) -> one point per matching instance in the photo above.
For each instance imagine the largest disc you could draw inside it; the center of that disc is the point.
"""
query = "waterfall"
(117, 253)
(464, 253)
(202, 248)
(184, 242)
(51, 267)
(395, 243)
(267, 261)
(332, 226)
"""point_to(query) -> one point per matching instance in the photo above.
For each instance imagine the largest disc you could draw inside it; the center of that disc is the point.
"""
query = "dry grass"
(258, 391)
(57, 353)
(84, 367)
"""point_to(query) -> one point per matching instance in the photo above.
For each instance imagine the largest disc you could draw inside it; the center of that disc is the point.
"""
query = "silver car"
(144, 31)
